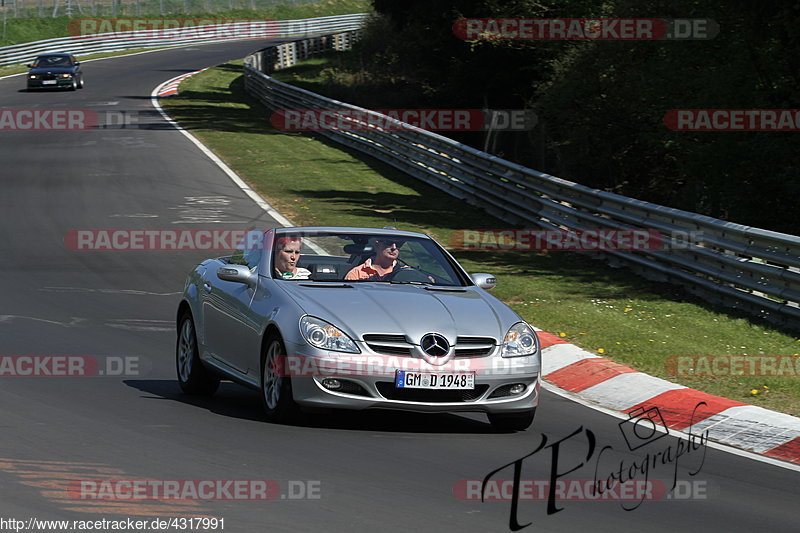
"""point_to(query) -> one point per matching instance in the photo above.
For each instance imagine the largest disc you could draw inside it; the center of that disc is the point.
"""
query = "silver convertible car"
(355, 318)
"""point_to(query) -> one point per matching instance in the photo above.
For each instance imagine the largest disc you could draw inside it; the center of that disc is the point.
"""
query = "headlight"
(520, 340)
(326, 336)
(65, 75)
(34, 76)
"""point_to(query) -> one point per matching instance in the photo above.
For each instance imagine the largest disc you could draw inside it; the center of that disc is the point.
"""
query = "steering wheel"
(409, 273)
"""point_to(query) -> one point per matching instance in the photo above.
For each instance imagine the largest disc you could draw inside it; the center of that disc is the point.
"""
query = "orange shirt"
(366, 271)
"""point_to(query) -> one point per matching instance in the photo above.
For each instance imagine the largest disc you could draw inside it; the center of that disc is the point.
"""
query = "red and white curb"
(620, 388)
(170, 88)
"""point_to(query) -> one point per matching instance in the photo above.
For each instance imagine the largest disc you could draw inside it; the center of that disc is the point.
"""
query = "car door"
(232, 327)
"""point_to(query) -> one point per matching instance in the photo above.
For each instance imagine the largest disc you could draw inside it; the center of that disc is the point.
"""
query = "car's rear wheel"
(276, 387)
(512, 422)
(193, 377)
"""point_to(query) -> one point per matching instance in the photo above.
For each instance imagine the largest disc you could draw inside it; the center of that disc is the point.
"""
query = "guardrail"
(162, 38)
(741, 267)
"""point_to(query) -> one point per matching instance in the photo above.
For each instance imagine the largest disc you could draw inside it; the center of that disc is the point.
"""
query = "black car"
(56, 71)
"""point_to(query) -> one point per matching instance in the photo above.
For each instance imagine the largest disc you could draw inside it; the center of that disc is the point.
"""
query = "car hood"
(404, 309)
(52, 70)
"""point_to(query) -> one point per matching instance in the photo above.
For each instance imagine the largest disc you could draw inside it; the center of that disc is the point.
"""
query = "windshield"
(362, 258)
(52, 61)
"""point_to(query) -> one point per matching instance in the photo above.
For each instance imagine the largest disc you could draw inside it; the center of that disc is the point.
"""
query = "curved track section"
(373, 471)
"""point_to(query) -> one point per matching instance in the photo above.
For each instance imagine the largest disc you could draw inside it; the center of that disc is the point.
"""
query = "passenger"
(380, 265)
(287, 253)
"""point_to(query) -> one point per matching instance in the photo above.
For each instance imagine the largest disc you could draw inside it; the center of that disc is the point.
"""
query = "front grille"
(390, 392)
(389, 350)
(378, 337)
(388, 344)
(473, 352)
(474, 340)
(396, 344)
(474, 346)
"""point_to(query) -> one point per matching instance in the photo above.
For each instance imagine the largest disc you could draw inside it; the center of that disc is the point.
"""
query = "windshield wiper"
(334, 284)
(410, 283)
(445, 288)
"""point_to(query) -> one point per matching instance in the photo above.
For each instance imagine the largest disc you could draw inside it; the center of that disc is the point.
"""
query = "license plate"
(48, 82)
(424, 380)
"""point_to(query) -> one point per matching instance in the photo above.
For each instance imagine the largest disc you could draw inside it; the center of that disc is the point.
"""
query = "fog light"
(519, 388)
(331, 383)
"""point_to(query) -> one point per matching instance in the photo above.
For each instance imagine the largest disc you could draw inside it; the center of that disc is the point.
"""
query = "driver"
(382, 264)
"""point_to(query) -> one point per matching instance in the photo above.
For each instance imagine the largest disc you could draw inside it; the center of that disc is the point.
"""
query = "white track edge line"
(263, 204)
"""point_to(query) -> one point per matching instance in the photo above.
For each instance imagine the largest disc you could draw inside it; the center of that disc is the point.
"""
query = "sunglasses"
(388, 244)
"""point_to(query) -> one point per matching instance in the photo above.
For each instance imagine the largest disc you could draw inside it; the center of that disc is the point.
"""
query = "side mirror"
(29, 65)
(77, 63)
(484, 281)
(238, 274)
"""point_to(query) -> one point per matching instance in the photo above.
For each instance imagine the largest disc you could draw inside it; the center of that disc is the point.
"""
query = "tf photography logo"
(656, 453)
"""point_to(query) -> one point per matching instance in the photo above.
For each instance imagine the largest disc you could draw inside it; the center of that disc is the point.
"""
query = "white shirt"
(301, 273)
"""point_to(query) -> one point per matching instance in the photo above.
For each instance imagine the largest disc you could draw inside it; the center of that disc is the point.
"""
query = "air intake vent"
(390, 392)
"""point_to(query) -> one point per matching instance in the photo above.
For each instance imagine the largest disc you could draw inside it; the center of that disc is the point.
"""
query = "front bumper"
(368, 382)
(60, 83)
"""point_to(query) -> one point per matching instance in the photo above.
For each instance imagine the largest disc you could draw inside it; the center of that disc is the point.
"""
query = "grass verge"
(609, 311)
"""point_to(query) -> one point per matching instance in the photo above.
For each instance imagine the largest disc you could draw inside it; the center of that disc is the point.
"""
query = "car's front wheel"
(276, 387)
(80, 83)
(193, 377)
(512, 422)
(74, 85)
